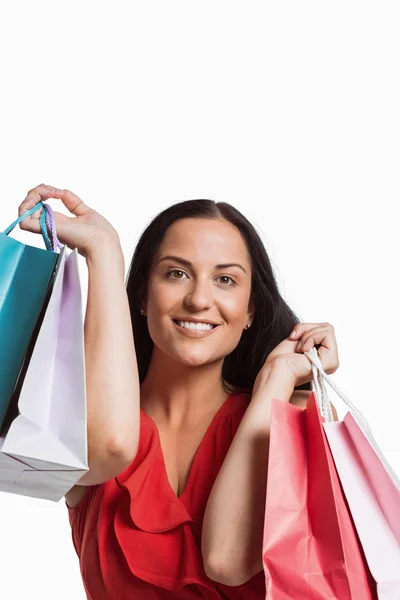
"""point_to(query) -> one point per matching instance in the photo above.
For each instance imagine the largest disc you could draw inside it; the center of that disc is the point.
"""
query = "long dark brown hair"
(273, 320)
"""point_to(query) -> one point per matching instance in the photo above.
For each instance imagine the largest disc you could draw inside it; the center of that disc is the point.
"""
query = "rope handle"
(46, 220)
(51, 226)
(319, 376)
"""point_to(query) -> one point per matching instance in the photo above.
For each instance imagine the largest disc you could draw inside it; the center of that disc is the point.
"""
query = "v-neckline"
(217, 414)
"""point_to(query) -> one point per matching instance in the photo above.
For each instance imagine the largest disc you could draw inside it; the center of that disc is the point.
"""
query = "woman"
(178, 415)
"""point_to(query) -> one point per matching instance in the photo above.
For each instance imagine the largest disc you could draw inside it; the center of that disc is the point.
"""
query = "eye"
(226, 277)
(175, 271)
(233, 282)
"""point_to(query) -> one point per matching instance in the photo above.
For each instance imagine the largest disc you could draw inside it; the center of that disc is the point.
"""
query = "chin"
(193, 361)
(192, 358)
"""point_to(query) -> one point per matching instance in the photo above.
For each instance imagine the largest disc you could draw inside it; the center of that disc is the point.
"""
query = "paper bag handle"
(51, 226)
(318, 386)
(44, 217)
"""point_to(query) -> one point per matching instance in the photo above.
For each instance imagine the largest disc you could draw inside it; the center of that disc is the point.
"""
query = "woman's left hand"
(291, 351)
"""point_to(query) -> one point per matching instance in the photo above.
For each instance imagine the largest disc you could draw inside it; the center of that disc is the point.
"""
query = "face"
(193, 286)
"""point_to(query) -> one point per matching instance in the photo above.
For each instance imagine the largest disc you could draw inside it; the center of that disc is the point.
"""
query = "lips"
(196, 322)
(191, 332)
(213, 325)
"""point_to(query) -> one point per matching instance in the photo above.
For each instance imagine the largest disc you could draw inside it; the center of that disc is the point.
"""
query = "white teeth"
(197, 326)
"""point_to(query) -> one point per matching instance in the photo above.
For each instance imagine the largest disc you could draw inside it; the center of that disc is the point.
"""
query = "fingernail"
(293, 334)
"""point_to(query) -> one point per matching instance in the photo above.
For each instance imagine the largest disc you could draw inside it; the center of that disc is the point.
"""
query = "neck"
(176, 394)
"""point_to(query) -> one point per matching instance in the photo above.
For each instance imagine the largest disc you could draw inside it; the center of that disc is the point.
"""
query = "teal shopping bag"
(25, 277)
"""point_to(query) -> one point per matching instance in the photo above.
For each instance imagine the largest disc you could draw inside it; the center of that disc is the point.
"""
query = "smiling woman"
(213, 231)
(186, 282)
(206, 315)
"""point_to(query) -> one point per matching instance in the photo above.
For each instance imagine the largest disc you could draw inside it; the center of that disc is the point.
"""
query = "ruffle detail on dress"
(150, 511)
(145, 532)
(145, 523)
(175, 557)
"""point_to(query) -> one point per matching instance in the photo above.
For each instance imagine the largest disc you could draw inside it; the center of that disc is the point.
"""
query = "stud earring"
(248, 325)
(142, 311)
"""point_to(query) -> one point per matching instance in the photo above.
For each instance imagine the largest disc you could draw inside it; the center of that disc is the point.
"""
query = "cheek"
(234, 307)
(161, 297)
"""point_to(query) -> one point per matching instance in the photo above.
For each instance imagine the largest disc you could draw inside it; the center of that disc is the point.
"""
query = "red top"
(136, 539)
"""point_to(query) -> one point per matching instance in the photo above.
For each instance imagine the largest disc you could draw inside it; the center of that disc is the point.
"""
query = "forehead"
(205, 240)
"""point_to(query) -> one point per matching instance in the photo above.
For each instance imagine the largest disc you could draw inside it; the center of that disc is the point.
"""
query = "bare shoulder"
(75, 495)
(299, 398)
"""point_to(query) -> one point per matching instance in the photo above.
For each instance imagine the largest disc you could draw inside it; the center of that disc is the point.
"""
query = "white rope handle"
(319, 388)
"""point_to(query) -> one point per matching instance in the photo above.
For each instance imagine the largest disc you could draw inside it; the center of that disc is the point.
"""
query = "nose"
(200, 295)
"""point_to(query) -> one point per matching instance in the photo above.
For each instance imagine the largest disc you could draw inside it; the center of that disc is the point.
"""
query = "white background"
(287, 110)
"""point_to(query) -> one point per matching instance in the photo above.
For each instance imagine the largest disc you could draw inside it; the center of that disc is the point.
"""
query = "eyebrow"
(188, 264)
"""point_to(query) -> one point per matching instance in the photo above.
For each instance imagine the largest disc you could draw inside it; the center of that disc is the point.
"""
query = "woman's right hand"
(87, 230)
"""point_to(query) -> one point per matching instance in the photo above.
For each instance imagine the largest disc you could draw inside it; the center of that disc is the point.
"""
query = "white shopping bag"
(44, 452)
(370, 485)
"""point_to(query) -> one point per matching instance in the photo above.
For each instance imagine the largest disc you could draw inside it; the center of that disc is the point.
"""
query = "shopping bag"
(371, 487)
(310, 547)
(25, 277)
(43, 453)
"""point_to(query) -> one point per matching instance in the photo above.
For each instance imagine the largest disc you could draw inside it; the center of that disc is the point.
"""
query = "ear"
(142, 294)
(251, 309)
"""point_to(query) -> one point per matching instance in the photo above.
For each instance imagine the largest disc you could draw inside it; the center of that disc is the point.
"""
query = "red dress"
(137, 540)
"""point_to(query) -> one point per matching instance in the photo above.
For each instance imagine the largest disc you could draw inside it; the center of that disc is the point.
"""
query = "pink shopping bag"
(310, 548)
(371, 487)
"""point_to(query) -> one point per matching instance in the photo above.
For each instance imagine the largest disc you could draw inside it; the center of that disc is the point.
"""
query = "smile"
(192, 331)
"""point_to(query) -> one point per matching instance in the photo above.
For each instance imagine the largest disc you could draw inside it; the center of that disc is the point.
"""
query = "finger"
(43, 192)
(300, 328)
(322, 334)
(325, 340)
(32, 198)
(71, 201)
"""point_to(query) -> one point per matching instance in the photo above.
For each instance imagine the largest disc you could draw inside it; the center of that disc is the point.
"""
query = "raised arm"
(111, 368)
(112, 380)
(233, 523)
(234, 518)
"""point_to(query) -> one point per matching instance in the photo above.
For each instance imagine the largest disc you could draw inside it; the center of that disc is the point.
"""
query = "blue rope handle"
(42, 223)
(44, 229)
